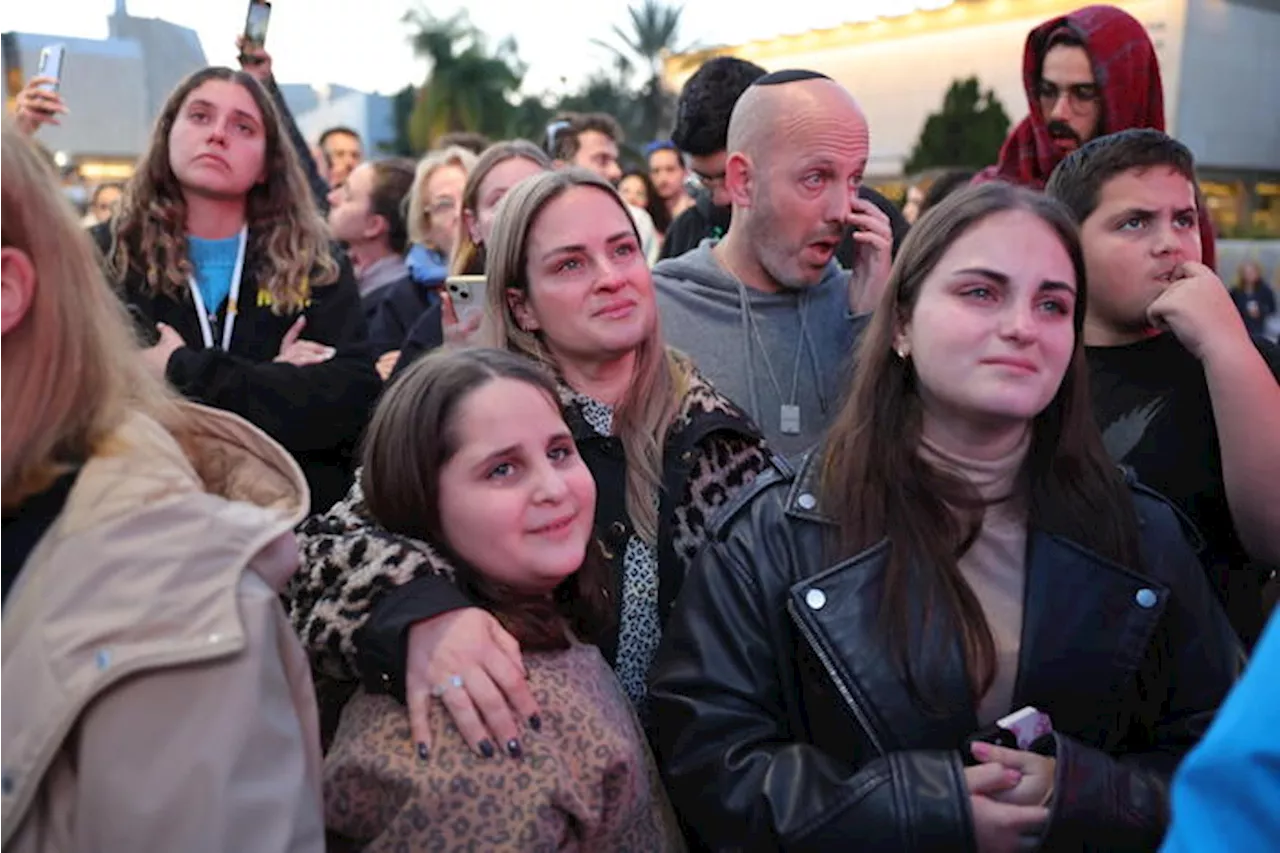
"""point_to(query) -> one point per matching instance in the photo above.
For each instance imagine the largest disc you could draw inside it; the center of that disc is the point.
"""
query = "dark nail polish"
(486, 749)
(535, 723)
(423, 752)
(513, 748)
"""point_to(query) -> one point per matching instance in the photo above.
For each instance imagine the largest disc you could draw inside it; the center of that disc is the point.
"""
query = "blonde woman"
(434, 207)
(150, 677)
(228, 269)
(500, 167)
(568, 288)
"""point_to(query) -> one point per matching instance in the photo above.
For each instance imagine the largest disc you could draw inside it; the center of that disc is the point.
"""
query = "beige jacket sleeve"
(206, 758)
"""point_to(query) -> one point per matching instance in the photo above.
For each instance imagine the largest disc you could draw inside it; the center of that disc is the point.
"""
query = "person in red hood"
(1088, 73)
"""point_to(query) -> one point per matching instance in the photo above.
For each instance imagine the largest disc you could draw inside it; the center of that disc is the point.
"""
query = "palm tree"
(654, 32)
(468, 87)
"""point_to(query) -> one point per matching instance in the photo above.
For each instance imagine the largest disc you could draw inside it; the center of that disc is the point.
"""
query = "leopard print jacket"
(585, 780)
(349, 562)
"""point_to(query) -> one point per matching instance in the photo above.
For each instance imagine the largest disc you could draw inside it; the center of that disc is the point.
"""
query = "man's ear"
(518, 302)
(17, 287)
(376, 226)
(739, 179)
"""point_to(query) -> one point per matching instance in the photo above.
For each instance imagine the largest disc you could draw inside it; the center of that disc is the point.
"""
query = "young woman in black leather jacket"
(960, 548)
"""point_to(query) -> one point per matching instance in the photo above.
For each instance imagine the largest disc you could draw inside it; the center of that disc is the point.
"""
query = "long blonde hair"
(71, 368)
(468, 258)
(286, 232)
(419, 217)
(643, 417)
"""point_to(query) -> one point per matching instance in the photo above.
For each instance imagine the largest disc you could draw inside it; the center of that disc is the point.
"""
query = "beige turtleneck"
(995, 565)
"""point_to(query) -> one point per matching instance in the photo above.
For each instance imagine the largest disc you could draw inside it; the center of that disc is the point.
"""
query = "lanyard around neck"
(229, 321)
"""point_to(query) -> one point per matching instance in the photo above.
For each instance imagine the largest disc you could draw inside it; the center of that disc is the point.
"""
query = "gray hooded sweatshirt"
(805, 336)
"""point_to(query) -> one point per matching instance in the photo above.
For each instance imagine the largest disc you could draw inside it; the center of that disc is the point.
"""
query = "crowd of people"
(512, 499)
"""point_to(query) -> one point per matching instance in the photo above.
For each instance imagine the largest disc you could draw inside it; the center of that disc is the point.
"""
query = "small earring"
(903, 352)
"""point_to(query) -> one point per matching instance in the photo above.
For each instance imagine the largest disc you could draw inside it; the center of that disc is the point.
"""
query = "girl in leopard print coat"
(503, 490)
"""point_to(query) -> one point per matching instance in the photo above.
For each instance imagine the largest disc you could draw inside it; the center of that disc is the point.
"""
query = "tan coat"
(154, 695)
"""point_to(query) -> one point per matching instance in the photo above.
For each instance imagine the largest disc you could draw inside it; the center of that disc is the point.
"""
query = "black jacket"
(783, 725)
(317, 412)
(402, 304)
(705, 220)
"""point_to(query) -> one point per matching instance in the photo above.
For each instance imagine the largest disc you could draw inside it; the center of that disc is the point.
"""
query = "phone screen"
(255, 23)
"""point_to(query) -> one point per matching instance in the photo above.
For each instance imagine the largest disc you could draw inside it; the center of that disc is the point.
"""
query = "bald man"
(766, 312)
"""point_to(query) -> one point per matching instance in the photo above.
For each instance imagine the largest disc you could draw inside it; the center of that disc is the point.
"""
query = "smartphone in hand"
(467, 294)
(52, 64)
(255, 23)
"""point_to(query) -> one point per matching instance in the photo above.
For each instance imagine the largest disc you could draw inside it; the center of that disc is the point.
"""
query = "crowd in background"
(518, 498)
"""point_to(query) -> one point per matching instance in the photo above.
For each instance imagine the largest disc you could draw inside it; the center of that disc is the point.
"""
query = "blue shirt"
(213, 262)
(1226, 793)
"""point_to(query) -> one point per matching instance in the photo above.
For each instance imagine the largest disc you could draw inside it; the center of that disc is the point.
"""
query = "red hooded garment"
(1127, 73)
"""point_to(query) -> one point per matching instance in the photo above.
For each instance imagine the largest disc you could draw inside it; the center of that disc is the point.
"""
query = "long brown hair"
(878, 486)
(286, 233)
(71, 368)
(661, 380)
(468, 256)
(413, 434)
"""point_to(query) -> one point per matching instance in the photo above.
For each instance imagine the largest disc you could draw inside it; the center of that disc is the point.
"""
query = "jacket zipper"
(843, 688)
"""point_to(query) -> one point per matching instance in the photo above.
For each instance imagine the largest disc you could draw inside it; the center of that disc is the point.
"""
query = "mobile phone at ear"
(53, 60)
(255, 23)
(467, 292)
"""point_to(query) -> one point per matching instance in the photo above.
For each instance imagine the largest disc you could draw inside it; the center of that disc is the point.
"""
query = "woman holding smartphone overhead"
(568, 288)
(226, 265)
(960, 549)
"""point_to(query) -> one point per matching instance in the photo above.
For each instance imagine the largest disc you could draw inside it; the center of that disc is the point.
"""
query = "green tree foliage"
(967, 132)
(468, 87)
(654, 32)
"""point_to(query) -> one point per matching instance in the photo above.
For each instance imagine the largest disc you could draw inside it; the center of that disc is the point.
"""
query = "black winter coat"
(318, 412)
(783, 725)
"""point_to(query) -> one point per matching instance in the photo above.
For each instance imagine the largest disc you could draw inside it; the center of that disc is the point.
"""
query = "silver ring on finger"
(440, 689)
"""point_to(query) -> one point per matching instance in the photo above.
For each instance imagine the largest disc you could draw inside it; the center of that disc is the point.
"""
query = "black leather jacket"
(783, 725)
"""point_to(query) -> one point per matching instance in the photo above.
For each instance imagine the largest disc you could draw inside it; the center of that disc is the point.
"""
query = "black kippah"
(789, 75)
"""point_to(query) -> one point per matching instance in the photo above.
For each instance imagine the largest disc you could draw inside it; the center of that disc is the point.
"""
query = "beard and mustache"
(1059, 129)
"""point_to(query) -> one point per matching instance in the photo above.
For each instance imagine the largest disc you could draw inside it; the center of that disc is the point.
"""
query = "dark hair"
(476, 143)
(656, 207)
(878, 485)
(1063, 36)
(339, 130)
(103, 187)
(412, 434)
(565, 129)
(1078, 179)
(942, 186)
(706, 103)
(392, 181)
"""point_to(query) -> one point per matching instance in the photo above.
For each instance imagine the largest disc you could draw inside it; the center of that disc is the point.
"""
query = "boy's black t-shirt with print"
(1151, 401)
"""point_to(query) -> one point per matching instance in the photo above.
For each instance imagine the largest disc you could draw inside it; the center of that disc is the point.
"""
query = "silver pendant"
(790, 419)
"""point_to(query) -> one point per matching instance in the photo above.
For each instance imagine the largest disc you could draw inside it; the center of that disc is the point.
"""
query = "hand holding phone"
(255, 24)
(1018, 730)
(467, 293)
(52, 60)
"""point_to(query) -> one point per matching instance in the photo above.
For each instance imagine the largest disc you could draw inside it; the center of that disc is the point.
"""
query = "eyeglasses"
(1080, 96)
(441, 206)
(710, 183)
